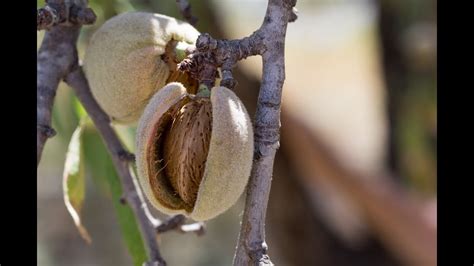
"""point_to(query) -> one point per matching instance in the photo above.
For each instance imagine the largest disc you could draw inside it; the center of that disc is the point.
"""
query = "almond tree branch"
(177, 223)
(252, 249)
(269, 42)
(56, 56)
(133, 195)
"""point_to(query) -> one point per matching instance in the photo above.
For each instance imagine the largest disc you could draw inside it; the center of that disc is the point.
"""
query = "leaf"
(103, 171)
(127, 221)
(97, 160)
(79, 109)
(74, 182)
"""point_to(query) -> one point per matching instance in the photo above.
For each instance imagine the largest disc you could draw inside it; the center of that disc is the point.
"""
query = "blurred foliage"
(408, 30)
(417, 136)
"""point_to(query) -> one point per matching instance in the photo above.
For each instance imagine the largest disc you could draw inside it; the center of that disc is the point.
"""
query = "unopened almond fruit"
(131, 56)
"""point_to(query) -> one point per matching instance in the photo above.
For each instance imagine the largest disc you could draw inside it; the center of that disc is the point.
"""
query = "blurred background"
(355, 177)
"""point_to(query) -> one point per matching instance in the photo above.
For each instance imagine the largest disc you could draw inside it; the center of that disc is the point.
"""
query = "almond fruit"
(194, 153)
(131, 56)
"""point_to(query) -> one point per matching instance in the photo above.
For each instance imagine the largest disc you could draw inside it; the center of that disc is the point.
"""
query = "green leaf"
(79, 109)
(127, 221)
(97, 159)
(74, 182)
(103, 172)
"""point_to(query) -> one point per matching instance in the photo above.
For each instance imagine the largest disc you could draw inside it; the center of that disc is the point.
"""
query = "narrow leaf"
(96, 158)
(103, 171)
(74, 182)
(79, 109)
(127, 221)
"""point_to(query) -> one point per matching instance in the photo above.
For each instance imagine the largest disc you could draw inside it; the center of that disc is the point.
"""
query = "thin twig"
(210, 54)
(133, 195)
(185, 10)
(171, 224)
(177, 223)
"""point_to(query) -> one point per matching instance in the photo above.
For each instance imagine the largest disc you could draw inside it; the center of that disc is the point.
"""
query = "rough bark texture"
(56, 56)
(252, 249)
(63, 12)
(51, 67)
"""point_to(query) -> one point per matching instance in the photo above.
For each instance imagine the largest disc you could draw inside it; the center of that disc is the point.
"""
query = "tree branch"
(56, 56)
(210, 54)
(133, 195)
(177, 223)
(252, 249)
